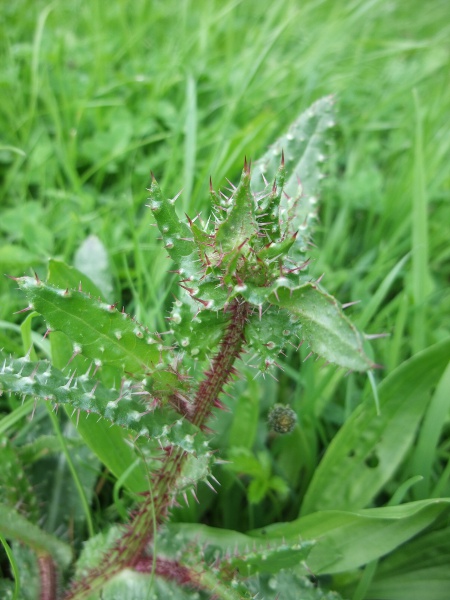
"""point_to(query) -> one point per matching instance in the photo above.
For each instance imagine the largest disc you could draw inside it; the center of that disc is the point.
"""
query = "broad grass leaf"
(370, 447)
(348, 540)
(416, 570)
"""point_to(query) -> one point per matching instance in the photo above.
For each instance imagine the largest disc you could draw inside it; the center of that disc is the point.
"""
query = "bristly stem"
(130, 549)
(222, 364)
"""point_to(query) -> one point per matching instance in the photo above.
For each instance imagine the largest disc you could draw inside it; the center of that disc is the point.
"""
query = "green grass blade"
(427, 447)
(14, 568)
(420, 272)
(348, 540)
(369, 447)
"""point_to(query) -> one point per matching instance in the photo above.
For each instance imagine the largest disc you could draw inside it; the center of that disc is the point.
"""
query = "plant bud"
(282, 419)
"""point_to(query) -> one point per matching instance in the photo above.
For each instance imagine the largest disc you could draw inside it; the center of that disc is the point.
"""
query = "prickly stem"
(153, 511)
(222, 364)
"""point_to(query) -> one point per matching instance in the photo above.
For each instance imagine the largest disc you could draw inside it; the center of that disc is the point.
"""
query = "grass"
(95, 95)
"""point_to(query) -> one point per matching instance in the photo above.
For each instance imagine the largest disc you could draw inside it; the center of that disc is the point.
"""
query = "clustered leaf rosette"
(253, 249)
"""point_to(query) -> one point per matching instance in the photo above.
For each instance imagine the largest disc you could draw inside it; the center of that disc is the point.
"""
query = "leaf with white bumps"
(329, 333)
(130, 406)
(303, 148)
(103, 334)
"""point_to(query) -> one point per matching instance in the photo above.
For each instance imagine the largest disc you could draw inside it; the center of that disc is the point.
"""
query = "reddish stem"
(129, 550)
(222, 364)
(47, 574)
(169, 569)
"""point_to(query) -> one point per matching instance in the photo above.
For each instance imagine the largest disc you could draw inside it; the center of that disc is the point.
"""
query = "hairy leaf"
(15, 489)
(236, 550)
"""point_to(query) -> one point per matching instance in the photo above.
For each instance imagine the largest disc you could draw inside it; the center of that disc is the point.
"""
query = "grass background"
(95, 95)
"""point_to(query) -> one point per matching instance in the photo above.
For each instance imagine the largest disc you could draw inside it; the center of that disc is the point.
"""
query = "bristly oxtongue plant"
(244, 295)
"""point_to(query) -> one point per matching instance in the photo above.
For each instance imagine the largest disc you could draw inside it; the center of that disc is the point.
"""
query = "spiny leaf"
(97, 329)
(303, 153)
(230, 550)
(289, 586)
(270, 559)
(197, 333)
(268, 211)
(269, 334)
(239, 224)
(131, 406)
(324, 326)
(177, 236)
(173, 230)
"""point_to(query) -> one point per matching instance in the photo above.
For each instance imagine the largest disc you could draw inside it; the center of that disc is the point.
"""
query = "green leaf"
(109, 442)
(289, 586)
(91, 258)
(87, 394)
(257, 490)
(270, 559)
(177, 236)
(240, 223)
(15, 489)
(269, 334)
(63, 276)
(131, 585)
(16, 527)
(197, 334)
(324, 326)
(235, 549)
(348, 540)
(416, 570)
(369, 447)
(427, 447)
(303, 148)
(97, 329)
(244, 425)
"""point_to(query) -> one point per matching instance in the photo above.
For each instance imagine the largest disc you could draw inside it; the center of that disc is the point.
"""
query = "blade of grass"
(13, 566)
(190, 140)
(425, 452)
(420, 273)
